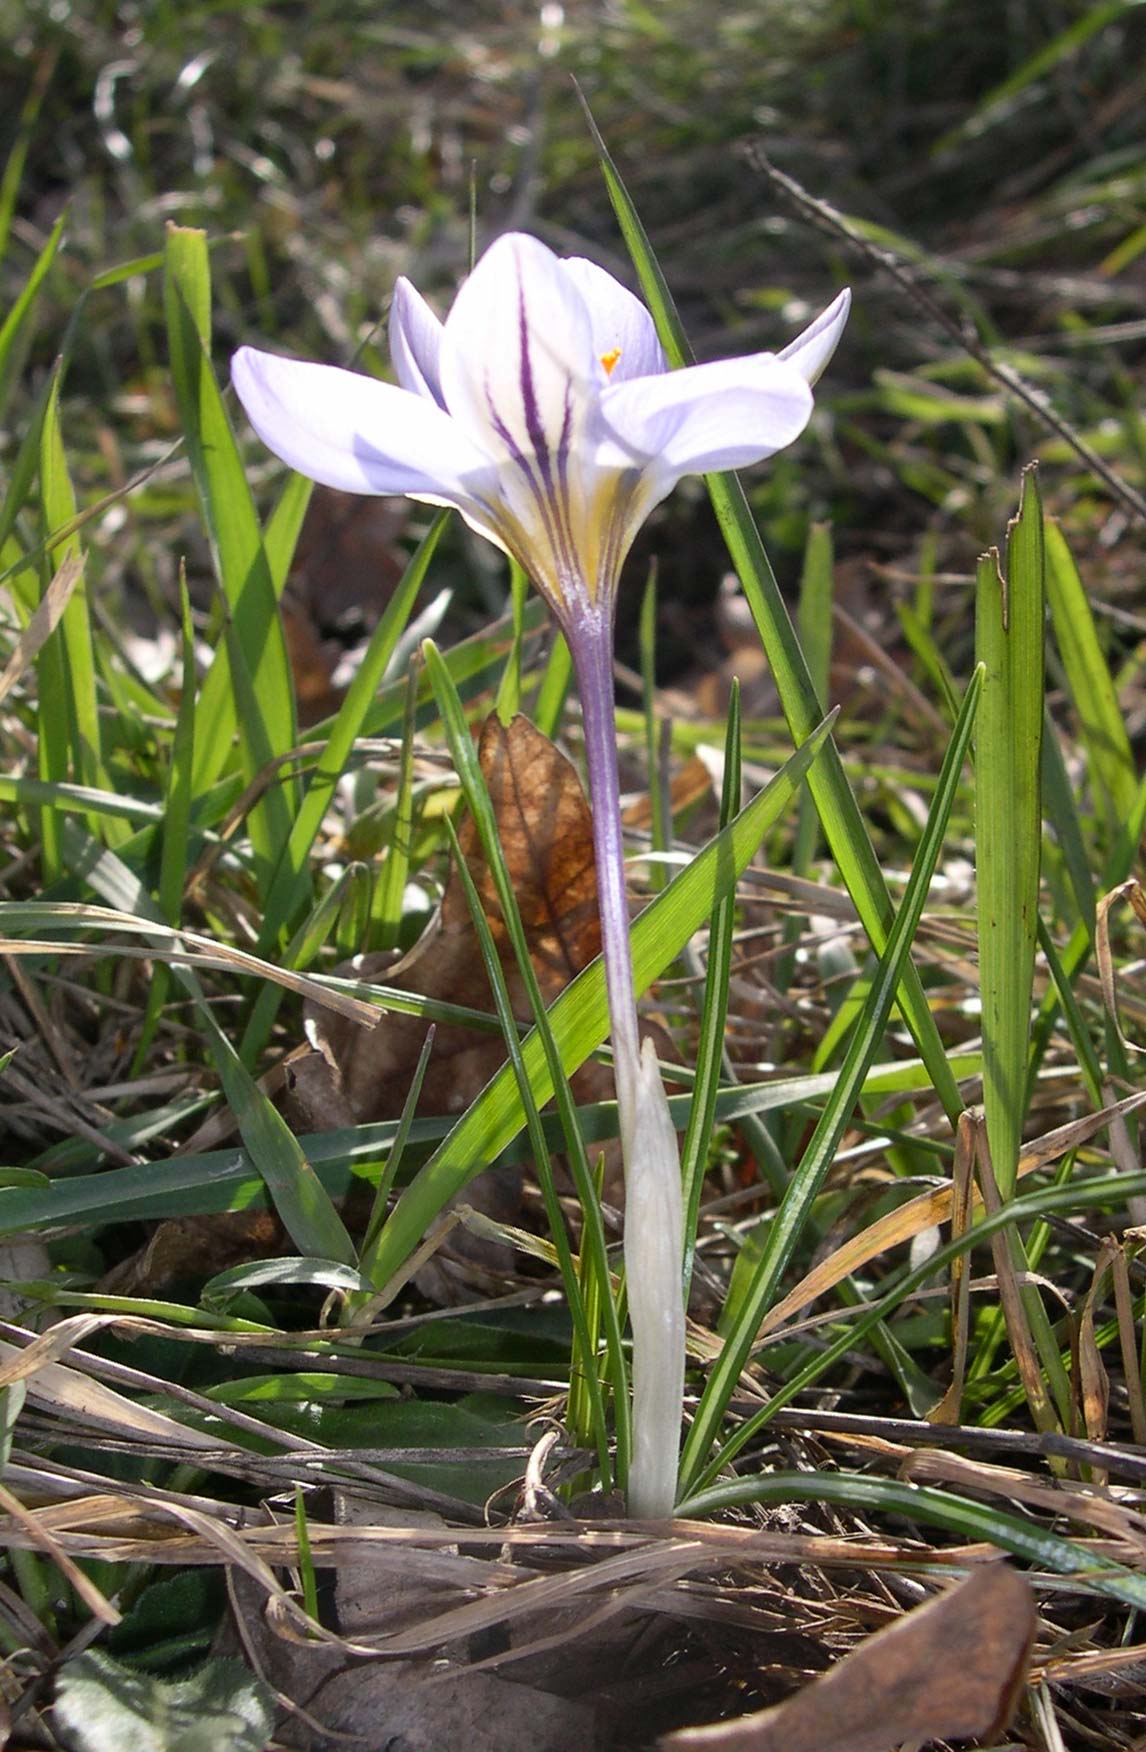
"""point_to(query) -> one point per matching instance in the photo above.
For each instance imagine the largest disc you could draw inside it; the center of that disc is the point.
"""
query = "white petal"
(724, 415)
(415, 342)
(518, 365)
(623, 330)
(351, 432)
(811, 351)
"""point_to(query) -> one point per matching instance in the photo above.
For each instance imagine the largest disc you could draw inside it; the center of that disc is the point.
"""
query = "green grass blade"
(294, 1188)
(289, 883)
(1093, 1572)
(13, 173)
(789, 1222)
(509, 688)
(284, 526)
(223, 1180)
(594, 1243)
(1095, 702)
(838, 810)
(661, 819)
(554, 688)
(580, 1019)
(583, 1364)
(173, 857)
(1069, 1198)
(1061, 47)
(15, 329)
(389, 1175)
(263, 706)
(1060, 807)
(1008, 818)
(814, 625)
(58, 505)
(396, 865)
(714, 1014)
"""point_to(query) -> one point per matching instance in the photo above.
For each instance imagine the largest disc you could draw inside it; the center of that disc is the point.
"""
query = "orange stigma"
(609, 359)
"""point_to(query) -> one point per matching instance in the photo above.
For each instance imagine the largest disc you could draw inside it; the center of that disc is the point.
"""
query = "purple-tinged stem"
(654, 1224)
(592, 648)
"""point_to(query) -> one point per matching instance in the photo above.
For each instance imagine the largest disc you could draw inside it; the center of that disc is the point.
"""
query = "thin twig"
(827, 217)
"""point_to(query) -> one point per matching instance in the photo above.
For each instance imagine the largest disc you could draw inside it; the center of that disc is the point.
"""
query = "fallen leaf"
(357, 1076)
(953, 1669)
(546, 832)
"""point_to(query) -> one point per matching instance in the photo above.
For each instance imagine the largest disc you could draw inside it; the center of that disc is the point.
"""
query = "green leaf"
(1008, 817)
(15, 328)
(225, 1180)
(594, 1243)
(789, 1222)
(714, 1014)
(260, 699)
(103, 1706)
(838, 810)
(295, 1190)
(1092, 1572)
(58, 504)
(323, 1274)
(1091, 687)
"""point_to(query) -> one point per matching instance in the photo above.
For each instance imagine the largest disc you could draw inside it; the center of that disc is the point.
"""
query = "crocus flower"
(543, 410)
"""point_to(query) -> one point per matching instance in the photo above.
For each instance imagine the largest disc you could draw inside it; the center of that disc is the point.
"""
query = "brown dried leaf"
(360, 1075)
(949, 1670)
(546, 832)
(909, 1219)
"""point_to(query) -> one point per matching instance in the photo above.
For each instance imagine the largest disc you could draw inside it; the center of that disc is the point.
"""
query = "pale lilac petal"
(415, 342)
(623, 330)
(709, 417)
(351, 432)
(518, 365)
(811, 351)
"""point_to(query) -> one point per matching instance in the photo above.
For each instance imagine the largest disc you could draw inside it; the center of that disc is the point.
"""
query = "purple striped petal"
(518, 364)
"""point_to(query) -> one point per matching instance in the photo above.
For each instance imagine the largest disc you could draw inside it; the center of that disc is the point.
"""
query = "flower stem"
(654, 1229)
